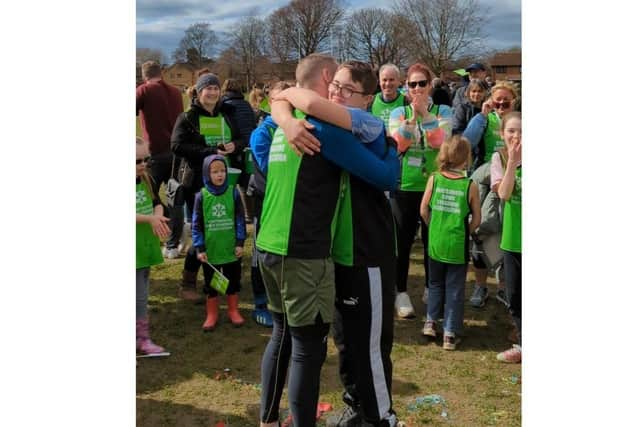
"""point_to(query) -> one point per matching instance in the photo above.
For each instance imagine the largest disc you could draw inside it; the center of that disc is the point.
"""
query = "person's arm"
(297, 131)
(496, 171)
(506, 185)
(139, 99)
(474, 201)
(346, 151)
(475, 129)
(425, 212)
(241, 227)
(260, 143)
(197, 225)
(405, 133)
(315, 105)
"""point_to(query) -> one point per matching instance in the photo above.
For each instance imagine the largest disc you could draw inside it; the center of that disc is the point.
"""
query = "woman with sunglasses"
(483, 131)
(208, 127)
(419, 129)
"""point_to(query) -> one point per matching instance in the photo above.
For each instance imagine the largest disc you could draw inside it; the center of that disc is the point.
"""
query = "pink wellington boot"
(144, 344)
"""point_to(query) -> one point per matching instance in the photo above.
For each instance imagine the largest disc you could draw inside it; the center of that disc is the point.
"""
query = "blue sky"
(160, 24)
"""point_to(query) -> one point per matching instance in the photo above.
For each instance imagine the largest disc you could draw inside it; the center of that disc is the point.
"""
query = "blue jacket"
(197, 227)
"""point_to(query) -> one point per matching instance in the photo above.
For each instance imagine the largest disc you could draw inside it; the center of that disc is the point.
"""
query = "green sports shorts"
(300, 288)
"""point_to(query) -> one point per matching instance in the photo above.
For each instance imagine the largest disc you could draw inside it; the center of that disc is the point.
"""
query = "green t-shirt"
(448, 228)
(512, 223)
(382, 109)
(147, 244)
(218, 213)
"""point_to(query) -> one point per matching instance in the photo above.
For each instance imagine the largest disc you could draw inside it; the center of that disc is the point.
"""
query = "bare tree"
(248, 41)
(307, 24)
(377, 36)
(197, 44)
(443, 30)
(279, 42)
(144, 54)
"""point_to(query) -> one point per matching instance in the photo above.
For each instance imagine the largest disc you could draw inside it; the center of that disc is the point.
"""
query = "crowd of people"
(337, 172)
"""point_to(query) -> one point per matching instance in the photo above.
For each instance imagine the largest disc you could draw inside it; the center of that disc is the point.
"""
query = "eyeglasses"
(146, 160)
(503, 104)
(421, 83)
(343, 91)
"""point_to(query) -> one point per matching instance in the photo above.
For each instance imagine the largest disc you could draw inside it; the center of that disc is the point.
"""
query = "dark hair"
(362, 73)
(231, 85)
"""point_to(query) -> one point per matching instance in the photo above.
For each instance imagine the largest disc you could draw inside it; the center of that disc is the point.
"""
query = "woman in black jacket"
(474, 95)
(208, 127)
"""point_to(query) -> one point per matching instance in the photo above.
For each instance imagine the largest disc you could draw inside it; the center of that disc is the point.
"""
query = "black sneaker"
(479, 296)
(501, 295)
(349, 417)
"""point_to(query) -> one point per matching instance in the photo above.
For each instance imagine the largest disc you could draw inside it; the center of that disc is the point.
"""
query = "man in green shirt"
(389, 97)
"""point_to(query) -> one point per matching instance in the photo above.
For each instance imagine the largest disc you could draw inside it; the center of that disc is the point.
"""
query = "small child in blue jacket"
(219, 233)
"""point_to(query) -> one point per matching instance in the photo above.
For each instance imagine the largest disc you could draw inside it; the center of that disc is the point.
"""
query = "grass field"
(191, 387)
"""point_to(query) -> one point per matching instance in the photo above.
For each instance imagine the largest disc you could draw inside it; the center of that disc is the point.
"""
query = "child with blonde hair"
(150, 225)
(506, 180)
(448, 200)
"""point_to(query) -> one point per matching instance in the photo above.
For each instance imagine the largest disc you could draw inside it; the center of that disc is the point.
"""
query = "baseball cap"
(475, 66)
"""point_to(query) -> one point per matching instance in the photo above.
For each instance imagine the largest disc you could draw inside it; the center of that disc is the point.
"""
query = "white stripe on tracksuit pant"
(363, 332)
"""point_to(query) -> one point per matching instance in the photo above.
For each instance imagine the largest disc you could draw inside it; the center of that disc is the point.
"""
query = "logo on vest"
(218, 210)
(141, 196)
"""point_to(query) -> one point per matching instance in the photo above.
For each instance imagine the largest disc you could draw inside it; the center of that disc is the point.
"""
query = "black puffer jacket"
(186, 141)
(462, 115)
(243, 113)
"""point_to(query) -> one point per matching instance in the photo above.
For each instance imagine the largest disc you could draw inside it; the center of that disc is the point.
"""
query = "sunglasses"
(421, 83)
(503, 104)
(145, 160)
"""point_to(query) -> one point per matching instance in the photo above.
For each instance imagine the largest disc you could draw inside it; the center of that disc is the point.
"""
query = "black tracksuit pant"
(363, 334)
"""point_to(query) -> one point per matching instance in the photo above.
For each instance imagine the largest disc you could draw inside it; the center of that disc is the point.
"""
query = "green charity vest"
(419, 160)
(215, 130)
(342, 248)
(512, 222)
(491, 138)
(147, 244)
(219, 226)
(382, 109)
(277, 208)
(448, 237)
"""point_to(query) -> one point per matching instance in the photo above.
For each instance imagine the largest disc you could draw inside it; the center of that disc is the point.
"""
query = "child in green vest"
(150, 225)
(448, 199)
(506, 179)
(218, 234)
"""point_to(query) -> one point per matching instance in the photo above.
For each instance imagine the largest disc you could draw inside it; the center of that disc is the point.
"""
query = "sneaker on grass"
(479, 296)
(171, 253)
(429, 329)
(450, 342)
(404, 308)
(513, 355)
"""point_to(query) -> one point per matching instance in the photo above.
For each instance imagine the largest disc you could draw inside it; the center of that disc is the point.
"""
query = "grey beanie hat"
(206, 80)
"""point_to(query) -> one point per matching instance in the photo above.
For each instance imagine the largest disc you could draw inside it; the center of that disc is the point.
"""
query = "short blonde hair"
(505, 85)
(311, 66)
